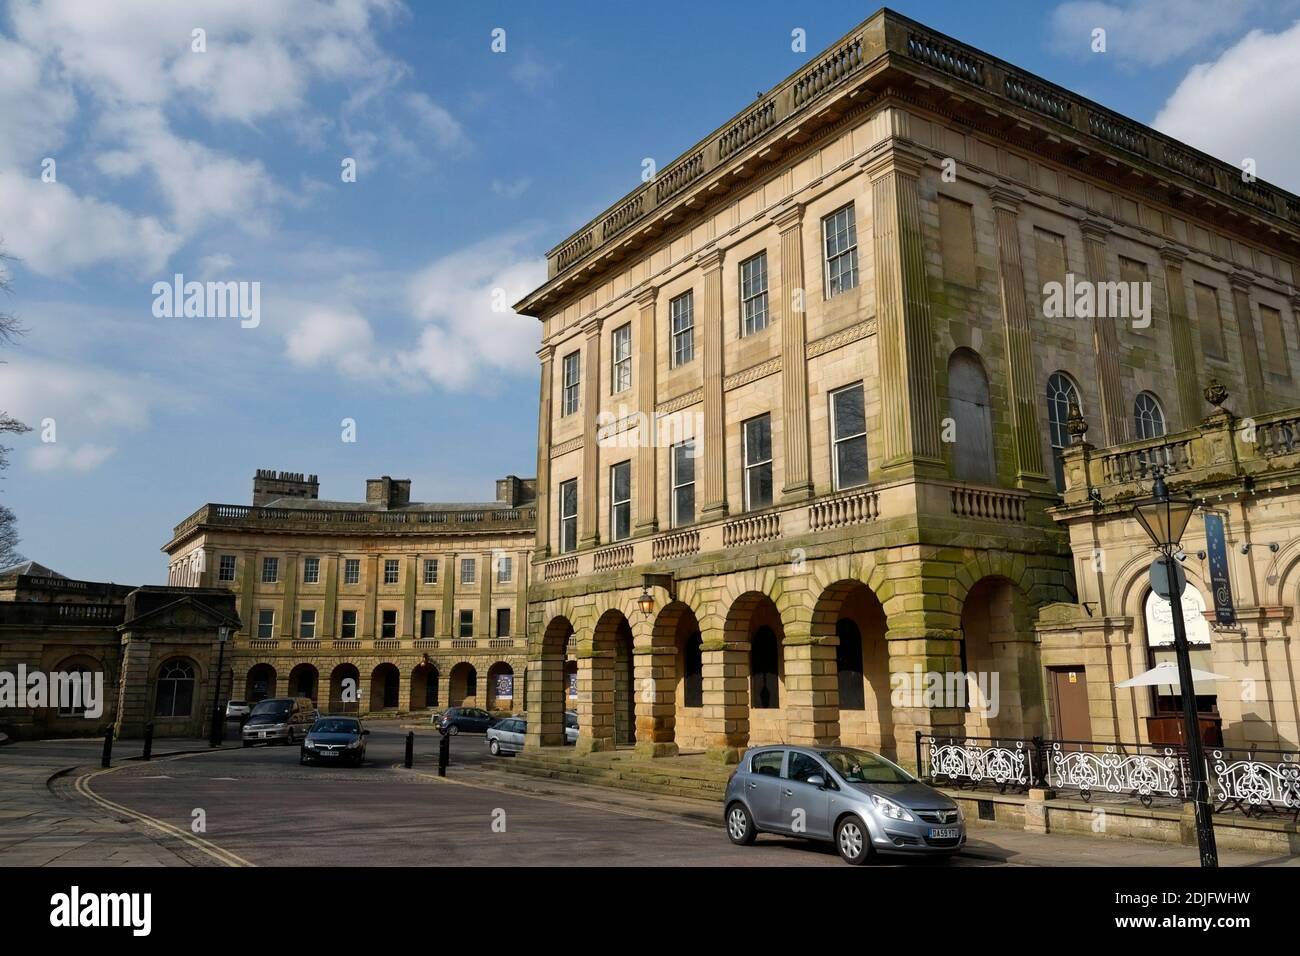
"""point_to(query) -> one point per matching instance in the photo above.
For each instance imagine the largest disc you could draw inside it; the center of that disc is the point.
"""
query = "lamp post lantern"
(218, 721)
(1164, 518)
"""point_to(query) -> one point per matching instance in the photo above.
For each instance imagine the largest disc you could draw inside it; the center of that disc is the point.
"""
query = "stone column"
(794, 359)
(713, 481)
(595, 699)
(289, 599)
(725, 717)
(1022, 389)
(1182, 338)
(812, 690)
(448, 626)
(545, 698)
(408, 599)
(485, 624)
(326, 628)
(919, 643)
(370, 579)
(547, 355)
(1105, 342)
(1256, 395)
(247, 602)
(589, 502)
(655, 671)
(646, 519)
(904, 337)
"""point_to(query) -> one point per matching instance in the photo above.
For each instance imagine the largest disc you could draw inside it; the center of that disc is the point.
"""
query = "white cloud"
(1148, 32)
(55, 457)
(34, 108)
(511, 189)
(333, 336)
(1244, 104)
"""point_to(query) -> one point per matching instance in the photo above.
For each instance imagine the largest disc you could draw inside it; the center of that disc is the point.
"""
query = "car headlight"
(354, 745)
(889, 809)
(961, 814)
(309, 744)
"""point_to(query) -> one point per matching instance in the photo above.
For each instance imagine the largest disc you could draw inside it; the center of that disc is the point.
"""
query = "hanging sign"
(1220, 585)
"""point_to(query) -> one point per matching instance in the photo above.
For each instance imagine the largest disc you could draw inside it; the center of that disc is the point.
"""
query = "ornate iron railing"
(978, 761)
(1143, 771)
(1255, 782)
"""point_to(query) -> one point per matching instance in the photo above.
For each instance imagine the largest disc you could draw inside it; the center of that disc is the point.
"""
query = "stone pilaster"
(589, 503)
(595, 699)
(1182, 337)
(484, 626)
(247, 603)
(904, 336)
(447, 628)
(326, 628)
(1105, 342)
(519, 619)
(725, 674)
(408, 598)
(713, 481)
(655, 672)
(289, 598)
(646, 519)
(545, 701)
(547, 356)
(812, 691)
(370, 578)
(1022, 391)
(1256, 395)
(133, 690)
(794, 360)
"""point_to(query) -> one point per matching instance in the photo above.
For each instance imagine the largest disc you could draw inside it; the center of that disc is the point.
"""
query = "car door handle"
(788, 793)
(753, 785)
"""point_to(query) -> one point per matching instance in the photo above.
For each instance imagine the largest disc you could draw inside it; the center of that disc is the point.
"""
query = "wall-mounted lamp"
(646, 602)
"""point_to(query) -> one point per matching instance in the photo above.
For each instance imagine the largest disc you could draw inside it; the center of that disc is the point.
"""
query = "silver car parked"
(506, 736)
(858, 800)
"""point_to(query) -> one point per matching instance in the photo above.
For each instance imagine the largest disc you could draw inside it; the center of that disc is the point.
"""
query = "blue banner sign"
(1217, 550)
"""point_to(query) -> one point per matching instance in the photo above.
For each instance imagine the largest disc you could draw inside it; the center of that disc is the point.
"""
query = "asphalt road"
(262, 806)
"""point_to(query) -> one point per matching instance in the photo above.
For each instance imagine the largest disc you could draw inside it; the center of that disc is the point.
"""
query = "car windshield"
(859, 766)
(335, 726)
(272, 708)
(238, 703)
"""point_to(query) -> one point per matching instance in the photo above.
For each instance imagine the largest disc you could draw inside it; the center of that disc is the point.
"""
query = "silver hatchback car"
(858, 800)
(506, 736)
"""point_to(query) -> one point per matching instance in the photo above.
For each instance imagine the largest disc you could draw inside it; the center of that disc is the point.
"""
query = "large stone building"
(815, 378)
(380, 605)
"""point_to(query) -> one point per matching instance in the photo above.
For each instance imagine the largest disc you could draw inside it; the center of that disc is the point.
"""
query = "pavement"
(241, 807)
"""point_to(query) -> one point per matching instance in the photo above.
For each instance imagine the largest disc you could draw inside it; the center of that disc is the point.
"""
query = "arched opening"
(676, 714)
(74, 705)
(753, 620)
(1061, 394)
(462, 686)
(303, 680)
(501, 687)
(424, 687)
(260, 683)
(385, 687)
(608, 707)
(850, 610)
(345, 689)
(998, 683)
(1166, 700)
(972, 421)
(174, 688)
(548, 685)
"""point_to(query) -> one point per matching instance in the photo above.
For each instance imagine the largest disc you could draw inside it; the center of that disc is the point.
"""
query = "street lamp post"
(218, 722)
(1164, 519)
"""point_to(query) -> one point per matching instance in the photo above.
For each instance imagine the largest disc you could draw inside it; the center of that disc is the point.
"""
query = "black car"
(334, 740)
(469, 720)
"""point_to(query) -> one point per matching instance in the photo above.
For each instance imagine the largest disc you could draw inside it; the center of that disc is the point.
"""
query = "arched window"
(693, 672)
(1061, 393)
(175, 693)
(75, 704)
(765, 691)
(1148, 417)
(848, 665)
(968, 406)
(1165, 698)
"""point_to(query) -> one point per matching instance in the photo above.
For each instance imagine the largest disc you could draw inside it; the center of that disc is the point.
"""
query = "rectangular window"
(428, 623)
(226, 568)
(390, 570)
(348, 625)
(468, 571)
(758, 462)
(753, 294)
(1275, 355)
(683, 482)
(848, 437)
(1050, 251)
(311, 570)
(681, 313)
(307, 626)
(621, 357)
(572, 381)
(388, 624)
(430, 571)
(505, 569)
(1208, 318)
(270, 570)
(503, 622)
(265, 624)
(957, 242)
(352, 571)
(840, 232)
(620, 501)
(569, 515)
(466, 624)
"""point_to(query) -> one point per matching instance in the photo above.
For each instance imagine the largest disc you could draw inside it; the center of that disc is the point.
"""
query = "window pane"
(851, 462)
(850, 413)
(758, 440)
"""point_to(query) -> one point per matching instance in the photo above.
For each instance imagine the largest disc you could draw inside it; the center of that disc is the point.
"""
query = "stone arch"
(345, 688)
(259, 682)
(547, 687)
(385, 687)
(494, 694)
(675, 716)
(463, 685)
(850, 618)
(424, 693)
(999, 687)
(607, 685)
(304, 681)
(74, 711)
(754, 626)
(1282, 576)
(167, 697)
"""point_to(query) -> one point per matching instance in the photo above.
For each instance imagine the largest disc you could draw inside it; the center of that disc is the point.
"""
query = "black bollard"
(148, 740)
(410, 748)
(444, 754)
(107, 760)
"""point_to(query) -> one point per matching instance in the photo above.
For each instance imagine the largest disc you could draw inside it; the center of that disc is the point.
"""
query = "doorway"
(1071, 720)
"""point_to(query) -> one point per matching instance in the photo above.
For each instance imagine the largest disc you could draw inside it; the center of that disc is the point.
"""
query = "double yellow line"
(224, 857)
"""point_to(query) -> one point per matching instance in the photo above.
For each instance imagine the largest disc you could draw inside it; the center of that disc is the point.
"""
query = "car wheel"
(853, 841)
(495, 748)
(453, 730)
(740, 827)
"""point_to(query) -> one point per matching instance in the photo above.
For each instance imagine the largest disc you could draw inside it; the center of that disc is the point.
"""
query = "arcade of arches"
(746, 659)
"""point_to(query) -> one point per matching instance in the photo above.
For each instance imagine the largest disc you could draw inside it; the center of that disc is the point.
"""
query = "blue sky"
(376, 295)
